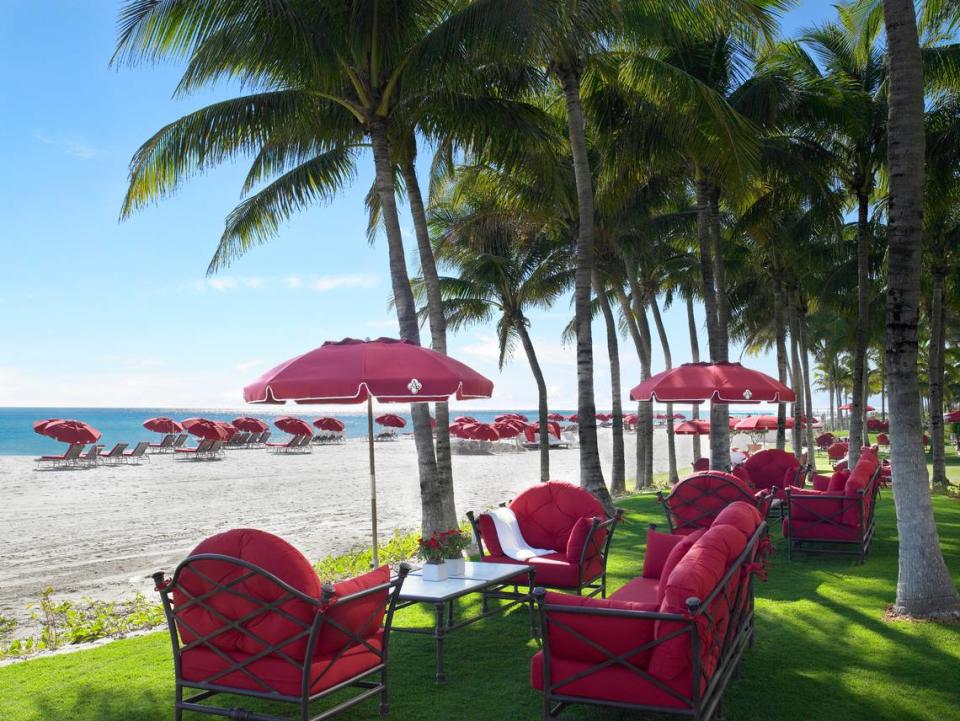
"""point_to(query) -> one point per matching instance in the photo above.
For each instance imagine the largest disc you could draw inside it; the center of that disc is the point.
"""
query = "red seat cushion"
(802, 530)
(553, 570)
(199, 664)
(640, 590)
(659, 546)
(362, 617)
(547, 512)
(268, 552)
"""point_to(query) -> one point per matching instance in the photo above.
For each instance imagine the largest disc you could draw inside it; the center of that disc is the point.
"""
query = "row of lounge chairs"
(297, 444)
(206, 450)
(172, 442)
(75, 457)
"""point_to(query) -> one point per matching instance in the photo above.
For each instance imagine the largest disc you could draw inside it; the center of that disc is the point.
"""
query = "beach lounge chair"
(69, 457)
(196, 452)
(181, 439)
(257, 440)
(249, 618)
(163, 446)
(216, 449)
(293, 444)
(91, 457)
(239, 440)
(115, 455)
(138, 454)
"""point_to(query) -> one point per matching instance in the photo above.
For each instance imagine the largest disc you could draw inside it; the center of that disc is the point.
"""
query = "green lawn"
(822, 652)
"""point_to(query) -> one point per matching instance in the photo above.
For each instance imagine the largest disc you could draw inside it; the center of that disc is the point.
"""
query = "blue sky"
(121, 314)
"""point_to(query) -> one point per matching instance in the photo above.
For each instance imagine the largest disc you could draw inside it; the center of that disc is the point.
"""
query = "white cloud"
(484, 346)
(74, 147)
(385, 324)
(247, 365)
(293, 281)
(350, 280)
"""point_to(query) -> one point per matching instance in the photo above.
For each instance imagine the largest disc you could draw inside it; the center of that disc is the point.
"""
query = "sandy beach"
(101, 532)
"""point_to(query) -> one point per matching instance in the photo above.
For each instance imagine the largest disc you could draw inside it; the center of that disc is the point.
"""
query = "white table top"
(475, 577)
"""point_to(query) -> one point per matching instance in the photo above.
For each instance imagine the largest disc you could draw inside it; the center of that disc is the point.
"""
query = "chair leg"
(384, 705)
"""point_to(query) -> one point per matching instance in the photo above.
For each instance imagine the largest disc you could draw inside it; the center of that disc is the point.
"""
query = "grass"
(823, 651)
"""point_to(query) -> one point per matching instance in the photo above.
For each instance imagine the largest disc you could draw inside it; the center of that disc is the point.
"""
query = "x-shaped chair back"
(696, 500)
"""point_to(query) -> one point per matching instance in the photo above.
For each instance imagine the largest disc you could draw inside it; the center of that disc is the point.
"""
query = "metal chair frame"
(671, 503)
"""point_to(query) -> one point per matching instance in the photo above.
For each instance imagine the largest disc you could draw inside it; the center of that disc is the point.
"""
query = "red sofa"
(774, 470)
(668, 641)
(696, 500)
(248, 617)
(561, 516)
(838, 518)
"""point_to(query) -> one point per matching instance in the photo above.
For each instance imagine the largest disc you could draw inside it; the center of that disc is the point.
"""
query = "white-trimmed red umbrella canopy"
(510, 427)
(331, 425)
(162, 424)
(293, 425)
(849, 407)
(249, 424)
(456, 430)
(390, 420)
(67, 431)
(630, 418)
(761, 423)
(604, 417)
(511, 416)
(206, 429)
(351, 370)
(533, 429)
(556, 417)
(573, 418)
(480, 432)
(465, 419)
(693, 428)
(714, 382)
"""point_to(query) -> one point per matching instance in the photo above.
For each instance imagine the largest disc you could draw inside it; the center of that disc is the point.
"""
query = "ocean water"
(126, 424)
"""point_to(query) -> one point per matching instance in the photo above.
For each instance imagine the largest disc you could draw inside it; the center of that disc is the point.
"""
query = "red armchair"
(883, 440)
(824, 441)
(838, 451)
(697, 499)
(668, 641)
(560, 516)
(701, 464)
(839, 518)
(248, 617)
(774, 470)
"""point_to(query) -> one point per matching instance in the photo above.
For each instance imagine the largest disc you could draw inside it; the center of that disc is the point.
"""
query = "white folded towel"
(511, 540)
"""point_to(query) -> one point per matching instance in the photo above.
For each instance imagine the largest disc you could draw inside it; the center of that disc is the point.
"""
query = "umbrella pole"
(373, 481)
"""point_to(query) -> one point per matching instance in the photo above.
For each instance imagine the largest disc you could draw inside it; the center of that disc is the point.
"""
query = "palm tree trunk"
(668, 360)
(857, 437)
(807, 388)
(644, 409)
(797, 436)
(780, 320)
(438, 335)
(431, 502)
(591, 473)
(618, 482)
(542, 409)
(631, 322)
(925, 587)
(695, 357)
(935, 371)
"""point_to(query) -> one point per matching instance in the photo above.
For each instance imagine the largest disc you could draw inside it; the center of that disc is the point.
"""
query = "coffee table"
(493, 580)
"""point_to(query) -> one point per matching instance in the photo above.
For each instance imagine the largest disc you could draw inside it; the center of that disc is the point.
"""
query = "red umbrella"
(849, 407)
(456, 430)
(230, 429)
(952, 417)
(716, 382)
(761, 423)
(533, 430)
(604, 417)
(556, 417)
(162, 424)
(329, 424)
(249, 425)
(661, 416)
(509, 428)
(67, 431)
(354, 371)
(206, 429)
(293, 426)
(573, 418)
(390, 421)
(733, 421)
(630, 418)
(511, 416)
(480, 432)
(465, 419)
(693, 428)
(679, 417)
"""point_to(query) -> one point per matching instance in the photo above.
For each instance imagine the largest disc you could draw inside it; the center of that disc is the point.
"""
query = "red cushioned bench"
(564, 517)
(248, 617)
(838, 518)
(696, 500)
(666, 642)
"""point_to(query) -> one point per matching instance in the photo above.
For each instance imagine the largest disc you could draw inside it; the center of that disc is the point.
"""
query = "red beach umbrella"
(331, 425)
(952, 417)
(693, 428)
(630, 418)
(604, 417)
(293, 426)
(206, 429)
(162, 424)
(354, 371)
(508, 429)
(67, 431)
(480, 432)
(511, 416)
(533, 429)
(849, 407)
(733, 421)
(679, 417)
(573, 418)
(761, 423)
(391, 421)
(465, 419)
(556, 417)
(456, 430)
(661, 416)
(249, 425)
(716, 382)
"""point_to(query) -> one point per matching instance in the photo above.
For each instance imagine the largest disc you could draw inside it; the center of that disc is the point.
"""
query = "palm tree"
(924, 587)
(330, 80)
(505, 265)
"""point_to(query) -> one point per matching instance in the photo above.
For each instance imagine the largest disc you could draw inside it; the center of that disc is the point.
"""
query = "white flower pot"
(455, 566)
(434, 572)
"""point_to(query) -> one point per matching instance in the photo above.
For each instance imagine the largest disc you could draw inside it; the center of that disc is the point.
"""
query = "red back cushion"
(674, 557)
(743, 474)
(362, 617)
(659, 546)
(767, 468)
(837, 451)
(578, 537)
(837, 481)
(548, 512)
(488, 534)
(266, 551)
(742, 516)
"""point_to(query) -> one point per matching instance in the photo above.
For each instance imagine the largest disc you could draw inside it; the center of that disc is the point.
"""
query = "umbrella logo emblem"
(747, 394)
(414, 386)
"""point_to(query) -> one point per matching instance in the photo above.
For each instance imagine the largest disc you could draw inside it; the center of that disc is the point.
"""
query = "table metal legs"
(439, 632)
